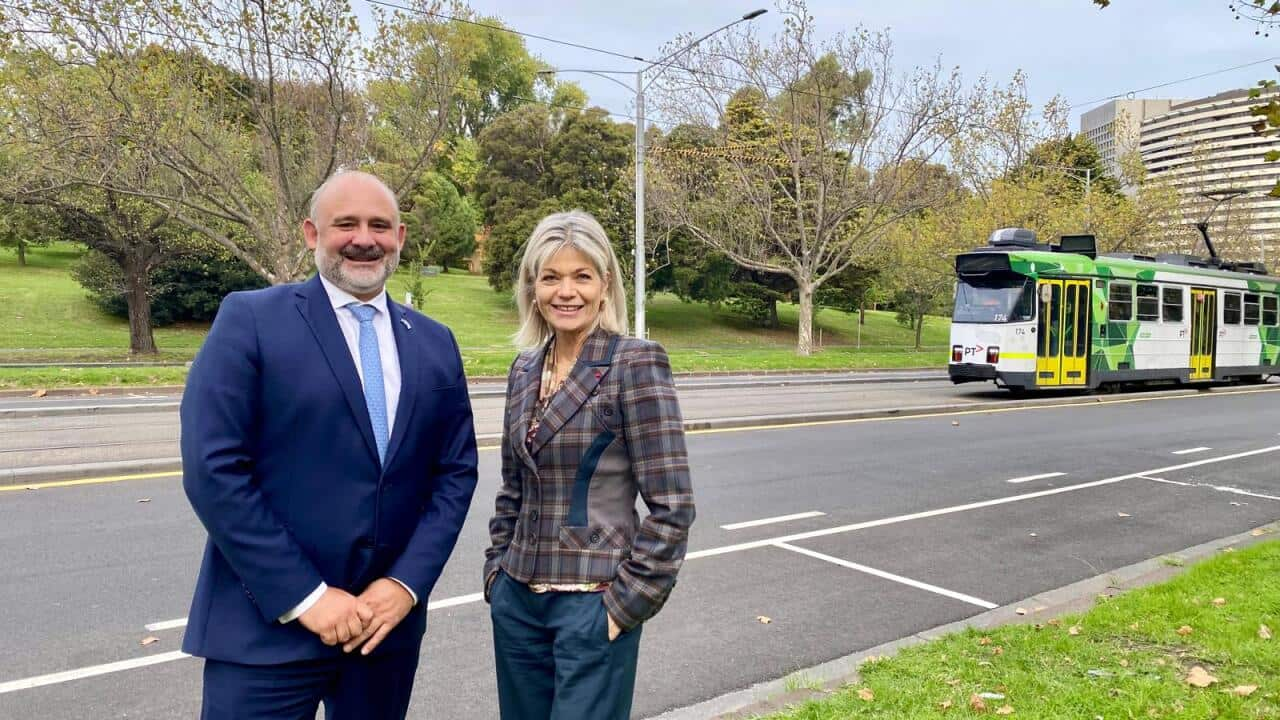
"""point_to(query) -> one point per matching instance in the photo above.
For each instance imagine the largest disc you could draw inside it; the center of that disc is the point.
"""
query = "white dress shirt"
(350, 326)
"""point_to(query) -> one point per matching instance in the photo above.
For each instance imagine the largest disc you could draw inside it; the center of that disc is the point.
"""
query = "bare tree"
(822, 148)
(246, 104)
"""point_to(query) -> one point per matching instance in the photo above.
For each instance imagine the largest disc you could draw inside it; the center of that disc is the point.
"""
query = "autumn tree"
(811, 176)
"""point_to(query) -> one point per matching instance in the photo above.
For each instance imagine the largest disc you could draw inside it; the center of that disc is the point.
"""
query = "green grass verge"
(1128, 657)
(48, 318)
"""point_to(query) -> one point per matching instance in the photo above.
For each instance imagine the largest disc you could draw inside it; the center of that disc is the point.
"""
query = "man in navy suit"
(328, 449)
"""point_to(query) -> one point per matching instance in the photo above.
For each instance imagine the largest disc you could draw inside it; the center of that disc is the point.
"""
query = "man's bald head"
(338, 181)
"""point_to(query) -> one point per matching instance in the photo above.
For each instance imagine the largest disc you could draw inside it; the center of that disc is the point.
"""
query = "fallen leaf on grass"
(1004, 710)
(1200, 678)
(1055, 622)
(944, 705)
(1244, 690)
(1264, 632)
(1228, 549)
(764, 619)
(1219, 601)
(39, 393)
(866, 694)
(954, 682)
(149, 640)
(977, 703)
(997, 650)
(1185, 630)
(1073, 630)
(984, 641)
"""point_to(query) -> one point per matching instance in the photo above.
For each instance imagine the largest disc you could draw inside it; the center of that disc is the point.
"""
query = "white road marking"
(1041, 476)
(166, 625)
(91, 671)
(768, 521)
(891, 577)
(1219, 488)
(971, 506)
(1189, 451)
(87, 672)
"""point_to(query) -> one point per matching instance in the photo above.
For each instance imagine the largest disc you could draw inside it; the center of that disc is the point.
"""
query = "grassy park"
(1198, 646)
(49, 319)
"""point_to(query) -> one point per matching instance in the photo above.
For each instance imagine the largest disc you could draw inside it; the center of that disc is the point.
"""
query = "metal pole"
(640, 254)
(1088, 208)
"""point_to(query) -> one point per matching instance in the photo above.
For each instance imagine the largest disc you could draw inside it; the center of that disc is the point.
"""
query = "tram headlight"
(993, 354)
(957, 353)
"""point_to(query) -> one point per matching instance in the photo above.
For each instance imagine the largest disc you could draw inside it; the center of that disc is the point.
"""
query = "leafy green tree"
(442, 223)
(22, 226)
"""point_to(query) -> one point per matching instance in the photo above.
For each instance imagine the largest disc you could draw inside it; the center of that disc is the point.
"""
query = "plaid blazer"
(566, 509)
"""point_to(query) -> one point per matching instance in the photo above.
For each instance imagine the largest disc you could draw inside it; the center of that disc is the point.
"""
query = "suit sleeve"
(452, 479)
(654, 433)
(220, 413)
(502, 526)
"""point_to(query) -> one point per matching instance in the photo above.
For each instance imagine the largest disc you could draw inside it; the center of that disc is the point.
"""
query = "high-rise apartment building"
(1114, 127)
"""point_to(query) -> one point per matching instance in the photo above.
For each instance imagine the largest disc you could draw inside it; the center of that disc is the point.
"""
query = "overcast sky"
(1067, 47)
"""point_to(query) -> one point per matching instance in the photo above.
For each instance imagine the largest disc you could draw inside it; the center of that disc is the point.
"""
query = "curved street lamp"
(640, 86)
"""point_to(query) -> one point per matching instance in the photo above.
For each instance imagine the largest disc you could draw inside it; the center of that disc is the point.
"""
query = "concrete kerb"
(773, 696)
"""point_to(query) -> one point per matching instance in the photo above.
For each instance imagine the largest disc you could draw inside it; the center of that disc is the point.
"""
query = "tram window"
(1251, 306)
(1231, 308)
(1120, 301)
(1269, 315)
(1148, 302)
(1172, 297)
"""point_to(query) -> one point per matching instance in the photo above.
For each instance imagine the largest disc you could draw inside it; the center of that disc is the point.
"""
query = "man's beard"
(363, 283)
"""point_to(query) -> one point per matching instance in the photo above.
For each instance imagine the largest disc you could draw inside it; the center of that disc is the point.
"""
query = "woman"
(591, 420)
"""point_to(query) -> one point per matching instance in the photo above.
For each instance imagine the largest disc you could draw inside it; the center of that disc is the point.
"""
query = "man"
(328, 448)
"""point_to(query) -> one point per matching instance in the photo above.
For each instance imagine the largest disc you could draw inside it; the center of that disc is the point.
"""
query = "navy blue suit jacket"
(280, 464)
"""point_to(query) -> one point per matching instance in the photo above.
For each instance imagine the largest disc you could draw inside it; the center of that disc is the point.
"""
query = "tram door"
(1062, 333)
(1204, 332)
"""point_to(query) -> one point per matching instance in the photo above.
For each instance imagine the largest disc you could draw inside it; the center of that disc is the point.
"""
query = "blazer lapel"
(410, 365)
(316, 310)
(593, 363)
(524, 395)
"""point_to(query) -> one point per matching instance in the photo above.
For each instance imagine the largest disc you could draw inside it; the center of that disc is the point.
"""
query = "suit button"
(608, 411)
(595, 392)
(595, 538)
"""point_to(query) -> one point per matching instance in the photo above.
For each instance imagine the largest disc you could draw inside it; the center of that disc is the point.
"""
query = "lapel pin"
(405, 322)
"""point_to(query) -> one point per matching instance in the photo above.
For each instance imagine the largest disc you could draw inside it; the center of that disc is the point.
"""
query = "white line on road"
(710, 552)
(1219, 488)
(166, 625)
(87, 672)
(1189, 451)
(768, 521)
(890, 576)
(971, 506)
(1041, 476)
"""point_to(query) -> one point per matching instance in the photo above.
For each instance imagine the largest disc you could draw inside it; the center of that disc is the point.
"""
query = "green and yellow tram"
(1033, 316)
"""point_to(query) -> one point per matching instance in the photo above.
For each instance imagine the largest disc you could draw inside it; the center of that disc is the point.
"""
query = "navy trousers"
(352, 687)
(554, 658)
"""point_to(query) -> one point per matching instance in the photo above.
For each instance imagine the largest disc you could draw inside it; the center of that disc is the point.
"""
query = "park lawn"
(50, 319)
(1128, 657)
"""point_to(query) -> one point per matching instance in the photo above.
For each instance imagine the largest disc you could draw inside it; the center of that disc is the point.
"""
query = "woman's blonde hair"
(576, 229)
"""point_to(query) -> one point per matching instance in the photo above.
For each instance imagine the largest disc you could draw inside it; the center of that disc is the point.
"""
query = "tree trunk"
(22, 252)
(804, 343)
(137, 283)
(773, 312)
(919, 328)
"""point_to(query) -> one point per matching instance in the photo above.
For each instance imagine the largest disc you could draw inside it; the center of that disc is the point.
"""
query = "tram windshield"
(995, 298)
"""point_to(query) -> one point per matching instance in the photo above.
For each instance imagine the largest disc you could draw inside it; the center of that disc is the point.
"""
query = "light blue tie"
(375, 394)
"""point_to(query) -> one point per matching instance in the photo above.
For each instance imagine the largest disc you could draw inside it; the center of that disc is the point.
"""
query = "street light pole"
(641, 330)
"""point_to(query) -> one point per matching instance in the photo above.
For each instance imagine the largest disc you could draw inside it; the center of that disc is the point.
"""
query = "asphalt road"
(98, 430)
(920, 525)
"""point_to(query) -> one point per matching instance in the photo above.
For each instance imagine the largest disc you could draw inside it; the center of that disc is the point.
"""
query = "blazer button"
(595, 392)
(595, 538)
(608, 412)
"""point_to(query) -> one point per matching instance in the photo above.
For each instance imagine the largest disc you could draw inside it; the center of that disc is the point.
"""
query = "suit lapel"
(593, 363)
(410, 365)
(316, 310)
(524, 394)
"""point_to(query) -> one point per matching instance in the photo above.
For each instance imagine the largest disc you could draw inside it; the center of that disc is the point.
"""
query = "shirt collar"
(341, 298)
